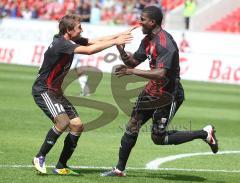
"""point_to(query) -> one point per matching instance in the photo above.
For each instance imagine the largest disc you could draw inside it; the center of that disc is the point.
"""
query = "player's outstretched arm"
(97, 47)
(127, 58)
(111, 37)
(155, 74)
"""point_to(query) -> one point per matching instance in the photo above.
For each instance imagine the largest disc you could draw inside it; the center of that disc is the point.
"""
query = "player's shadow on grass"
(166, 176)
(56, 175)
(81, 172)
(171, 177)
(89, 171)
(151, 175)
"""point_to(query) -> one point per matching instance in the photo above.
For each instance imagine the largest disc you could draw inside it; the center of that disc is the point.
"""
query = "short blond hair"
(68, 22)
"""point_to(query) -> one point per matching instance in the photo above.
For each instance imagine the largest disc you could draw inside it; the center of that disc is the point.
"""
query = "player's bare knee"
(62, 125)
(77, 128)
(62, 122)
(76, 125)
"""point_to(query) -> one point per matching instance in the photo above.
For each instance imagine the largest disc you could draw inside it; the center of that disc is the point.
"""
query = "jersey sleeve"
(164, 59)
(140, 54)
(82, 41)
(68, 47)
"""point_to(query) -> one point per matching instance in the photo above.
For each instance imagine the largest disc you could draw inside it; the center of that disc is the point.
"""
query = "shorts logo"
(50, 142)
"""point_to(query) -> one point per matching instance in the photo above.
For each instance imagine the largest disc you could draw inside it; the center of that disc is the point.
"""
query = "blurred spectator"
(13, 9)
(34, 11)
(26, 13)
(6, 8)
(107, 15)
(238, 27)
(84, 10)
(108, 3)
(184, 45)
(1, 9)
(143, 3)
(189, 10)
(95, 16)
(70, 5)
(109, 12)
(165, 6)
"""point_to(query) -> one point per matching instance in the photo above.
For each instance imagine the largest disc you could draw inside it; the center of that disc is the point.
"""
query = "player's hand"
(131, 29)
(122, 70)
(120, 67)
(124, 39)
(126, 33)
(120, 47)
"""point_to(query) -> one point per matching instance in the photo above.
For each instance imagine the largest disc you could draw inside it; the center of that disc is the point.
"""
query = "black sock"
(127, 143)
(70, 143)
(49, 142)
(179, 137)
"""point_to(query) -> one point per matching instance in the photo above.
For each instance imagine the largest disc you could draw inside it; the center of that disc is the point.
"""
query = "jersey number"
(59, 108)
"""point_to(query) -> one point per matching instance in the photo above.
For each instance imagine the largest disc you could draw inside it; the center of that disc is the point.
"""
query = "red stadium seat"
(229, 23)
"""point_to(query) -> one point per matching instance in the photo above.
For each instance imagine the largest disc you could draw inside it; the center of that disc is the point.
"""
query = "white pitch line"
(159, 161)
(130, 168)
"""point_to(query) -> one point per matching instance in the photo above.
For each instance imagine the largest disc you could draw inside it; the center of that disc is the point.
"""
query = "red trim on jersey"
(152, 87)
(154, 53)
(161, 91)
(163, 40)
(160, 65)
(147, 46)
(56, 70)
(163, 43)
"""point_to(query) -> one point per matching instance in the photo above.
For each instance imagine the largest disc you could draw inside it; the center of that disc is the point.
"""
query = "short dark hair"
(68, 22)
(154, 13)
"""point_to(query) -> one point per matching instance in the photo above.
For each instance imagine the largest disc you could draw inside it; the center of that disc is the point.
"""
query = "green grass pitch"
(23, 127)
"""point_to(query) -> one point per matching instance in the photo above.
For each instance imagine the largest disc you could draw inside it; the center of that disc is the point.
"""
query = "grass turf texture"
(23, 127)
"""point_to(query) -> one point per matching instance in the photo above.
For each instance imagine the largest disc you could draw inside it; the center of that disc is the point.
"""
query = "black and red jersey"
(57, 62)
(162, 52)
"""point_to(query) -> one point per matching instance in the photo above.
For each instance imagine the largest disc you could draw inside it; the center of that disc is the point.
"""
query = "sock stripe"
(56, 131)
(166, 139)
(172, 111)
(75, 134)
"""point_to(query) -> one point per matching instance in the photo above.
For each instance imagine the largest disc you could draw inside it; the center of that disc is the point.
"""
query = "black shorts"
(55, 104)
(146, 108)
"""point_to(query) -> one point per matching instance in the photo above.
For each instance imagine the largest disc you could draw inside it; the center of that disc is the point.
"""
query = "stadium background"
(210, 69)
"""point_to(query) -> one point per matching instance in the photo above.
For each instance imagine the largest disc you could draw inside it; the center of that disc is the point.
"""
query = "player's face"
(146, 23)
(76, 32)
